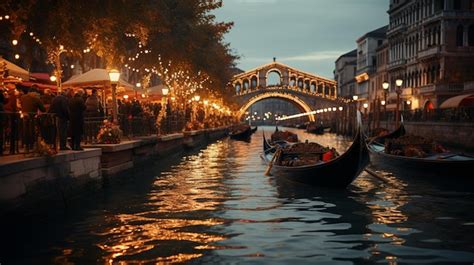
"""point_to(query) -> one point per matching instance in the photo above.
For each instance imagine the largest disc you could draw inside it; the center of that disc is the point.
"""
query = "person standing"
(30, 105)
(93, 105)
(60, 107)
(13, 116)
(77, 107)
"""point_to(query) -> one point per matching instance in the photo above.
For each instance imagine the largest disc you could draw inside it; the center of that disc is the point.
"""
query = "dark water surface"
(216, 206)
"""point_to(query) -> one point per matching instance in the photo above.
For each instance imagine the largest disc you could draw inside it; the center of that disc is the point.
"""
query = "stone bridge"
(307, 91)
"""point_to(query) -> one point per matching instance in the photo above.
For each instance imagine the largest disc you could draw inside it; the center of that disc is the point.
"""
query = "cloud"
(307, 57)
(315, 56)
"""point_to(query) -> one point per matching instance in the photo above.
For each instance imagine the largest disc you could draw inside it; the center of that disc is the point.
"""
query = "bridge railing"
(284, 87)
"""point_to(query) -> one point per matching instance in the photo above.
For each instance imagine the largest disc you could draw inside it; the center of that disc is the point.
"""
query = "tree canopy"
(135, 34)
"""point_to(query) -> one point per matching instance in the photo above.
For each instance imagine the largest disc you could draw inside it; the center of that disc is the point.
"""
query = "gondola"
(315, 128)
(242, 133)
(338, 172)
(435, 164)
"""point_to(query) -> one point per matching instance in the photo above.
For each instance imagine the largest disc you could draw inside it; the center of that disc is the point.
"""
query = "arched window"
(237, 88)
(253, 82)
(470, 35)
(460, 36)
(300, 83)
(292, 81)
(306, 85)
(313, 87)
(273, 78)
(246, 84)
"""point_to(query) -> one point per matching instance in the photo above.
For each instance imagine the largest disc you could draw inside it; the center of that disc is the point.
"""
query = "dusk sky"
(306, 34)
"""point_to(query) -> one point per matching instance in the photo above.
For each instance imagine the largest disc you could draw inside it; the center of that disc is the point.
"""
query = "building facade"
(431, 48)
(344, 74)
(367, 46)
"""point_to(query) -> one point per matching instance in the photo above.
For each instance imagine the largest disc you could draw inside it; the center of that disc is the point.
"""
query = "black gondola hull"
(244, 135)
(339, 172)
(421, 166)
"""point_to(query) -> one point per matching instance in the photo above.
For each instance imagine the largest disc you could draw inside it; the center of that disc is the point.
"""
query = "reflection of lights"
(188, 188)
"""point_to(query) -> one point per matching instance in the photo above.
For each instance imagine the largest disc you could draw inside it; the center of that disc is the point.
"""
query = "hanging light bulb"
(17, 56)
(14, 42)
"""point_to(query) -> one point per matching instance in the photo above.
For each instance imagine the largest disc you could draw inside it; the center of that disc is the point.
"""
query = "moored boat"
(315, 128)
(241, 132)
(339, 171)
(427, 160)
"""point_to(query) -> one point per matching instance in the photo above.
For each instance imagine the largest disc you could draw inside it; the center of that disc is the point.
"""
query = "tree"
(128, 32)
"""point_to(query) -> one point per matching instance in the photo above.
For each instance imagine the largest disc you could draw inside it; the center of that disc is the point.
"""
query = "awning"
(95, 77)
(40, 85)
(156, 90)
(458, 101)
(15, 70)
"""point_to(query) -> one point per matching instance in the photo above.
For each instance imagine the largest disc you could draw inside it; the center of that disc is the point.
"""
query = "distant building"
(367, 46)
(344, 74)
(431, 48)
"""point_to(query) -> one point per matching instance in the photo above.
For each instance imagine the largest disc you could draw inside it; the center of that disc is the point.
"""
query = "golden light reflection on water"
(386, 209)
(188, 187)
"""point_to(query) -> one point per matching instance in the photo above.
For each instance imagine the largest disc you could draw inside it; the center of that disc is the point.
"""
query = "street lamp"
(398, 83)
(385, 86)
(114, 76)
(58, 72)
(365, 109)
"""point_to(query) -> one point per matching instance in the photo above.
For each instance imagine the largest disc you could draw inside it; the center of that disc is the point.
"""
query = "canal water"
(216, 206)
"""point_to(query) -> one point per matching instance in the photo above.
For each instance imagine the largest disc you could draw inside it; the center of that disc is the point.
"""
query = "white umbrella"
(95, 77)
(15, 70)
(156, 90)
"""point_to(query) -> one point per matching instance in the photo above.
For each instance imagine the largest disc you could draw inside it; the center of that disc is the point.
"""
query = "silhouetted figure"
(77, 107)
(60, 107)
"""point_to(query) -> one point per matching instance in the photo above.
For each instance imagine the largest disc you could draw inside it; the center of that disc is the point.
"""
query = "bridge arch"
(292, 98)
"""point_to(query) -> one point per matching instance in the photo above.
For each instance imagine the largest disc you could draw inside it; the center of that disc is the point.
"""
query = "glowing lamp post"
(365, 109)
(398, 83)
(114, 76)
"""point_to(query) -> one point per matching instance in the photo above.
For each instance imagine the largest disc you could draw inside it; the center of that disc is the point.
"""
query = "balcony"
(397, 63)
(449, 14)
(430, 52)
(442, 88)
(398, 28)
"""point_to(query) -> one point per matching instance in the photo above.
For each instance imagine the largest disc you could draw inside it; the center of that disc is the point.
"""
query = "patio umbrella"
(96, 77)
(15, 70)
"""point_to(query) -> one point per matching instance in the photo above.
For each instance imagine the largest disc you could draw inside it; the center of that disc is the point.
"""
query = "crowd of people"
(27, 112)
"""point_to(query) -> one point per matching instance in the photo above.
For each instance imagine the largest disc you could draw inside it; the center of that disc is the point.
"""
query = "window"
(457, 4)
(470, 36)
(472, 5)
(459, 36)
(439, 5)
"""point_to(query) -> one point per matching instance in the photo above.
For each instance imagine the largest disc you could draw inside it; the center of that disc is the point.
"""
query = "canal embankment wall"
(24, 180)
